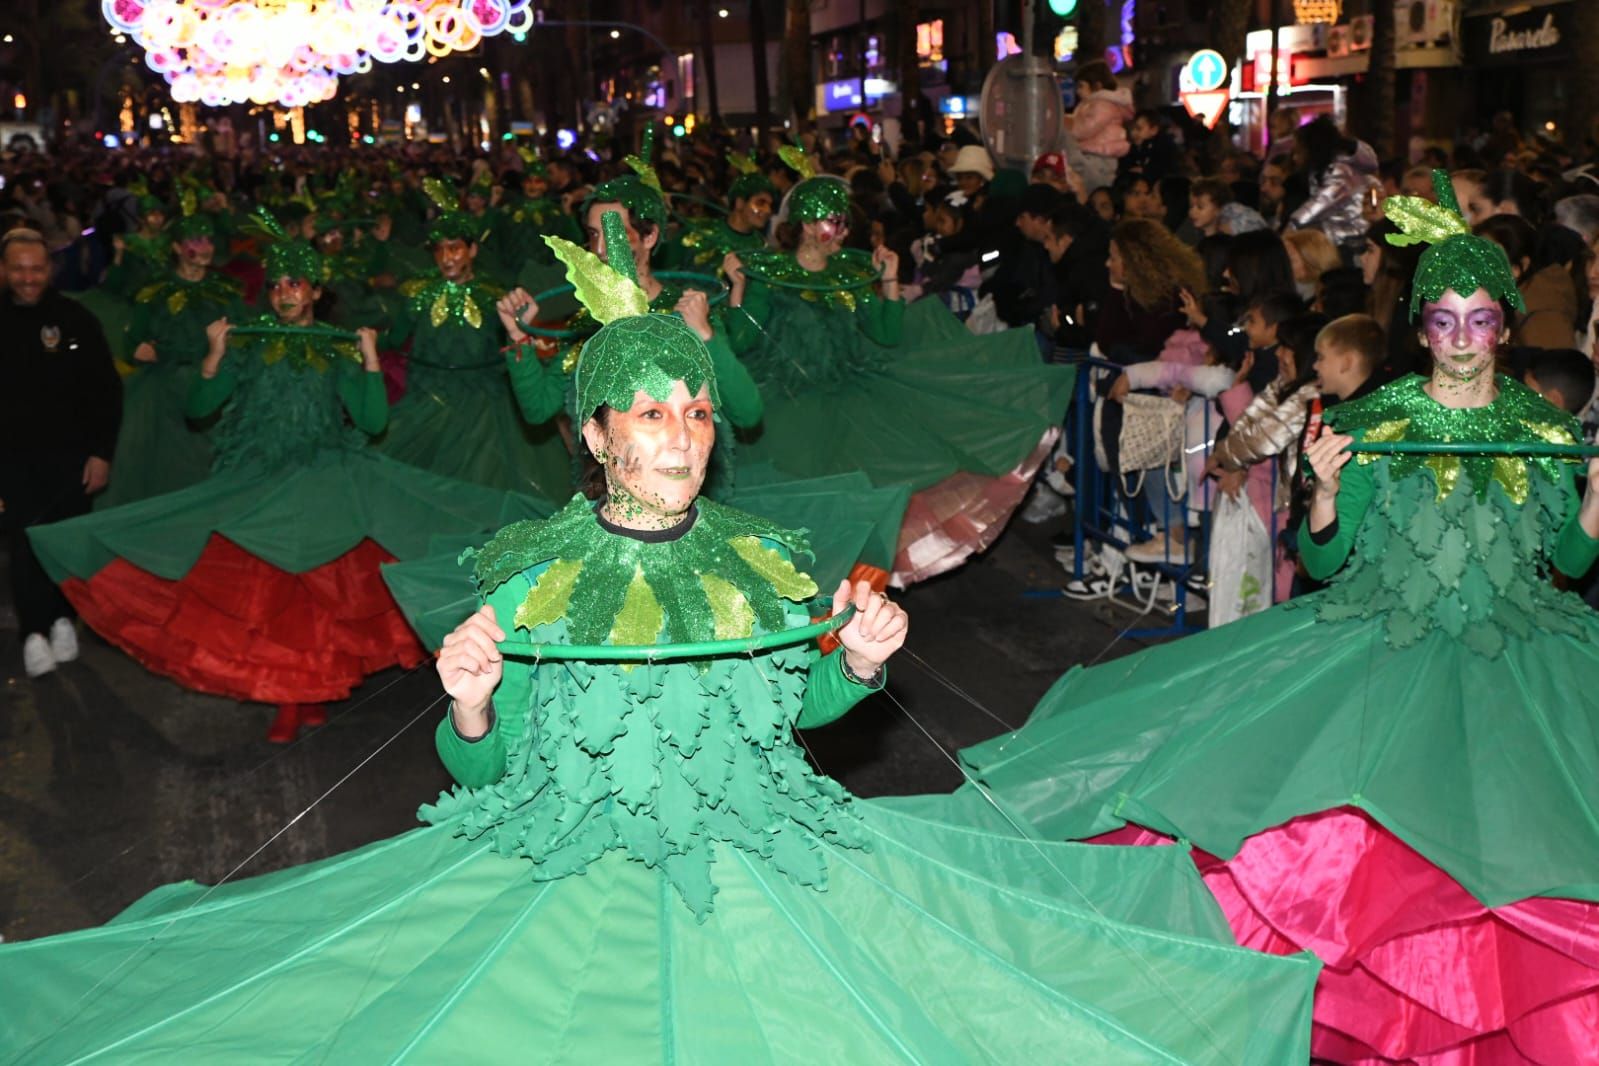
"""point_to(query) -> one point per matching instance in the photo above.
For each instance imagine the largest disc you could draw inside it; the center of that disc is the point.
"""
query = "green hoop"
(704, 649)
(851, 256)
(1532, 449)
(260, 329)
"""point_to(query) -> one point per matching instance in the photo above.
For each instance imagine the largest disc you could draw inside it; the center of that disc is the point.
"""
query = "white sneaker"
(63, 640)
(36, 658)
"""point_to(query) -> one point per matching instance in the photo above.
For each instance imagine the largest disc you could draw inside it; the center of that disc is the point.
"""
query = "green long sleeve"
(1356, 487)
(747, 323)
(400, 329)
(208, 394)
(1575, 551)
(482, 761)
(539, 386)
(881, 320)
(742, 405)
(829, 695)
(366, 398)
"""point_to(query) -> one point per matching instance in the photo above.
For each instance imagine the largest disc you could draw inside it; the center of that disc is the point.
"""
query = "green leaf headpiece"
(532, 165)
(817, 198)
(452, 224)
(634, 350)
(286, 256)
(750, 180)
(628, 190)
(1457, 259)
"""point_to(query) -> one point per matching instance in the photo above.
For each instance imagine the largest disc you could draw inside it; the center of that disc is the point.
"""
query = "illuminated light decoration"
(1308, 12)
(235, 51)
(565, 139)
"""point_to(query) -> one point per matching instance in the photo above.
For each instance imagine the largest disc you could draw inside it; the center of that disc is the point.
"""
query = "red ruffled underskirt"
(237, 626)
(1415, 969)
(960, 516)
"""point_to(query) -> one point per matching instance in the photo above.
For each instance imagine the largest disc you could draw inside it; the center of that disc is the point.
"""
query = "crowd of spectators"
(1143, 241)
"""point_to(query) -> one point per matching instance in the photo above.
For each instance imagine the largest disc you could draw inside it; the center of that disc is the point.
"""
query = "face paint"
(196, 251)
(656, 454)
(829, 230)
(1463, 333)
(292, 300)
(454, 259)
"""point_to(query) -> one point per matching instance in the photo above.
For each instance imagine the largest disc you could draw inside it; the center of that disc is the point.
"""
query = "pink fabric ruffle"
(960, 516)
(1416, 969)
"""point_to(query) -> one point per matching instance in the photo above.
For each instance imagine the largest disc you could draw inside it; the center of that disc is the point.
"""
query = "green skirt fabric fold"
(1282, 714)
(935, 943)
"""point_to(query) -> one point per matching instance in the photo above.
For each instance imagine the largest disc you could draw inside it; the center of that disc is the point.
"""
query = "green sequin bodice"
(662, 761)
(1457, 544)
(455, 338)
(286, 406)
(174, 314)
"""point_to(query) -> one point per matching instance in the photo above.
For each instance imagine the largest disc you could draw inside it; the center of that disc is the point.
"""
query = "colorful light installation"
(292, 52)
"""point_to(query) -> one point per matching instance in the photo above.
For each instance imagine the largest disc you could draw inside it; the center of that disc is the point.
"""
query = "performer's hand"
(875, 633)
(144, 353)
(733, 269)
(470, 667)
(1327, 458)
(367, 339)
(888, 259)
(516, 310)
(696, 312)
(383, 227)
(216, 334)
(96, 475)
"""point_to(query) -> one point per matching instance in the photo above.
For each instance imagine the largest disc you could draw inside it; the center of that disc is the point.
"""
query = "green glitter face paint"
(657, 453)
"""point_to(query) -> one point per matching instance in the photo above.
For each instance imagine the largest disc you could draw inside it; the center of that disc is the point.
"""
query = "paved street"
(113, 781)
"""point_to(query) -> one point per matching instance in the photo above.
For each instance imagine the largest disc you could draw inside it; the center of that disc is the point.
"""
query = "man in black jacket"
(60, 406)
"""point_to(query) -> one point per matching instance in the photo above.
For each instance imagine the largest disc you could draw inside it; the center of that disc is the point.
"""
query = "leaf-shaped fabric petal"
(788, 582)
(547, 600)
(607, 294)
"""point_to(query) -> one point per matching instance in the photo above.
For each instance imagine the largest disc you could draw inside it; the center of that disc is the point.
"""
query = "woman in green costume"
(458, 417)
(1400, 773)
(854, 379)
(158, 450)
(733, 906)
(261, 582)
(704, 244)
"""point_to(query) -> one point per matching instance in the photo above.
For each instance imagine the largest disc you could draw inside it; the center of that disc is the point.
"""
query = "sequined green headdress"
(817, 196)
(285, 256)
(1457, 260)
(532, 165)
(750, 181)
(639, 192)
(634, 350)
(191, 222)
(452, 224)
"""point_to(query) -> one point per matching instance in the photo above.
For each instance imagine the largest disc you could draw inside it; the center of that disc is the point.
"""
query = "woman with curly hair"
(1149, 268)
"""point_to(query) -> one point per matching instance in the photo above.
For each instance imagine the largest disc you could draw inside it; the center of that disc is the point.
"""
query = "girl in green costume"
(854, 379)
(1400, 773)
(261, 582)
(733, 906)
(458, 417)
(157, 449)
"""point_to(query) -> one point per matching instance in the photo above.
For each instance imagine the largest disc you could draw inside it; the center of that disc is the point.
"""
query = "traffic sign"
(1207, 106)
(1207, 70)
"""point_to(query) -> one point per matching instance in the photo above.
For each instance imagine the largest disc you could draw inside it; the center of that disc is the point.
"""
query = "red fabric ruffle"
(1415, 969)
(949, 522)
(237, 626)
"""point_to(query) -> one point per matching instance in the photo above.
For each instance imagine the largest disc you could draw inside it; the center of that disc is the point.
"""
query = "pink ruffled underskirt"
(960, 516)
(1415, 969)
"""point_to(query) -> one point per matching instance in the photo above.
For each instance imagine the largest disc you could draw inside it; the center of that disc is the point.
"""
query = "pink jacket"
(1100, 122)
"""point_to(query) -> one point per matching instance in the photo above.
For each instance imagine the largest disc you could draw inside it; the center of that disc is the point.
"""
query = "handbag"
(1151, 438)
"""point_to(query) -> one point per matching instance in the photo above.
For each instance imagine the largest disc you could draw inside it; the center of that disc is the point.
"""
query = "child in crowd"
(1270, 429)
(1348, 352)
(1563, 376)
(1206, 198)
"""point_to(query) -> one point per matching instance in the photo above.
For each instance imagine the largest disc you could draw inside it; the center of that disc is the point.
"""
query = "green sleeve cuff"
(1322, 559)
(883, 320)
(473, 763)
(367, 399)
(1575, 551)
(829, 695)
(742, 405)
(540, 392)
(208, 394)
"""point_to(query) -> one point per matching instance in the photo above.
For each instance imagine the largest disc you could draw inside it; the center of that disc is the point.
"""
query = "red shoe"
(313, 715)
(286, 726)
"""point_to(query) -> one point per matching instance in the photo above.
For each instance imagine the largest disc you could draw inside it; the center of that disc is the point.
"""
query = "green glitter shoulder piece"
(1457, 260)
(175, 294)
(1402, 411)
(437, 301)
(717, 581)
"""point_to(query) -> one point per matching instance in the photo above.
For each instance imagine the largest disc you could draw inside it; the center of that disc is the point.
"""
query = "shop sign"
(1535, 35)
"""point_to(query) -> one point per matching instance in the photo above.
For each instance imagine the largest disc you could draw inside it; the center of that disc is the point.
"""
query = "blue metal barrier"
(1105, 514)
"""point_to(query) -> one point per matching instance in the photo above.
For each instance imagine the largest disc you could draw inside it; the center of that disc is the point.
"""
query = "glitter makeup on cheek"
(1440, 327)
(1483, 329)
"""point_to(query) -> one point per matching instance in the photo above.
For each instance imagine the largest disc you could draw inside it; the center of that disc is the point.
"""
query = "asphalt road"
(114, 781)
